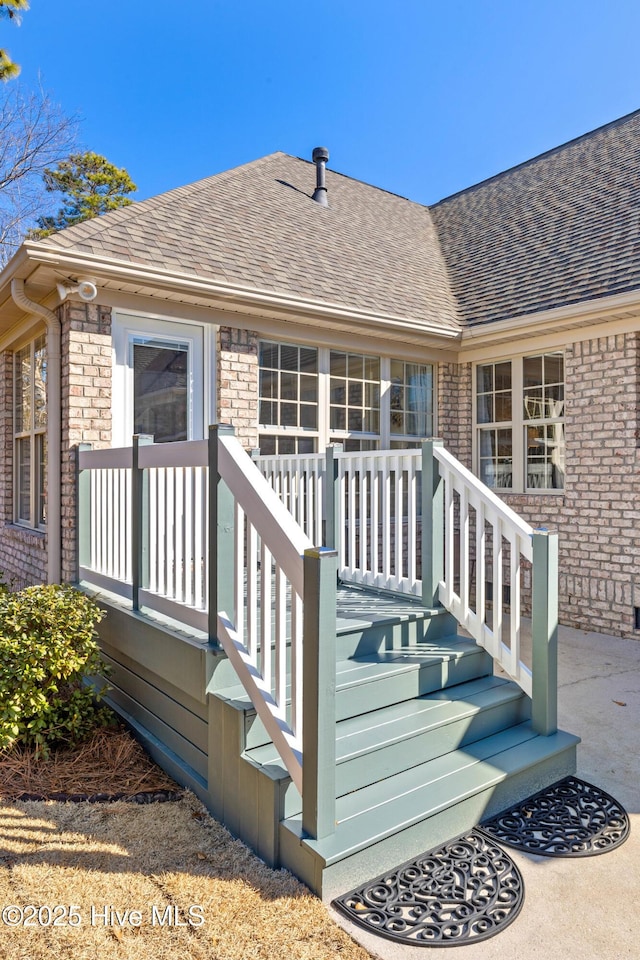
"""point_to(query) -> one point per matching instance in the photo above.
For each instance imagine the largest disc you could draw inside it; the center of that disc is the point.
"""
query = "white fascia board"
(555, 321)
(75, 261)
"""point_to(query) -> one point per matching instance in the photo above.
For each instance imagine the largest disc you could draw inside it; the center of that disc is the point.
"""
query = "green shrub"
(47, 647)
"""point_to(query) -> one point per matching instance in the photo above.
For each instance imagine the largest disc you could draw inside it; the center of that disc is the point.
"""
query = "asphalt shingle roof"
(556, 230)
(559, 229)
(257, 226)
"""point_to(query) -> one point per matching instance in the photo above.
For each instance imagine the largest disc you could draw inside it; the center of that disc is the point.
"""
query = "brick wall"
(86, 404)
(454, 409)
(237, 356)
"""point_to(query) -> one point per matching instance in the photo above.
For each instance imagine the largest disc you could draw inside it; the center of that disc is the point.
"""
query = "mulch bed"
(109, 766)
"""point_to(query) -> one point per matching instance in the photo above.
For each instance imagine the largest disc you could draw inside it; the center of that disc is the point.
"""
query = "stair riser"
(341, 876)
(394, 636)
(355, 700)
(409, 752)
(395, 688)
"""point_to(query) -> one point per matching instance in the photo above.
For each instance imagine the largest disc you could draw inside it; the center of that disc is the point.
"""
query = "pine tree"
(89, 185)
(10, 10)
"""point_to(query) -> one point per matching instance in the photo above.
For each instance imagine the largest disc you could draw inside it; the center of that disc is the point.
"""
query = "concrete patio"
(583, 908)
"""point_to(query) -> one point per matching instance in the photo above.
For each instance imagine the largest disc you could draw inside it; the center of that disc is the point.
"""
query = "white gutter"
(54, 518)
(76, 262)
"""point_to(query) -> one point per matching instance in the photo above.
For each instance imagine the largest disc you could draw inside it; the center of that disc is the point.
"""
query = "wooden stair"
(428, 743)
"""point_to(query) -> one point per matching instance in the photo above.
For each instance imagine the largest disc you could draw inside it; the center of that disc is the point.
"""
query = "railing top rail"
(483, 492)
(182, 453)
(111, 458)
(286, 539)
(379, 454)
(288, 458)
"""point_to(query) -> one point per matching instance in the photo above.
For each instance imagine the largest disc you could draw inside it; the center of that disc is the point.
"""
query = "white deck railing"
(366, 505)
(146, 519)
(483, 538)
(371, 507)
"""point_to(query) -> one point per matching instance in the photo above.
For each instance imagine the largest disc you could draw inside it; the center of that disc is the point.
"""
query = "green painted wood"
(432, 524)
(380, 744)
(387, 808)
(215, 734)
(83, 499)
(155, 648)
(221, 536)
(342, 874)
(378, 680)
(544, 629)
(331, 512)
(130, 708)
(139, 521)
(171, 711)
(174, 765)
(319, 692)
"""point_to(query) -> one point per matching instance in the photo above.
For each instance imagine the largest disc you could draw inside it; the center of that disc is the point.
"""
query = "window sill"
(24, 531)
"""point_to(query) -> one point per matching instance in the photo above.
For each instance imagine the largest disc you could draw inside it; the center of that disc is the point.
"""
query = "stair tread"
(384, 808)
(398, 722)
(353, 671)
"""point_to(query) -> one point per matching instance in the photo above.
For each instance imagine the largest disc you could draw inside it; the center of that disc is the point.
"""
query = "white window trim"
(201, 340)
(31, 435)
(517, 425)
(324, 435)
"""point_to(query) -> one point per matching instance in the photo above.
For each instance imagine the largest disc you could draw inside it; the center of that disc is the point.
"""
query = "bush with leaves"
(47, 649)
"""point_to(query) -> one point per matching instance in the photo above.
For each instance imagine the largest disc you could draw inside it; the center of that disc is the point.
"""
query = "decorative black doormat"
(569, 819)
(464, 891)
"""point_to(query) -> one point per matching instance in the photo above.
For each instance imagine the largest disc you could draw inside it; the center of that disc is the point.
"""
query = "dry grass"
(128, 857)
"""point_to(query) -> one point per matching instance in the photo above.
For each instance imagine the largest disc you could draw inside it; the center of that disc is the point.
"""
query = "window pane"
(485, 378)
(268, 384)
(160, 390)
(554, 368)
(289, 357)
(24, 479)
(338, 364)
(308, 360)
(503, 376)
(503, 407)
(41, 450)
(309, 416)
(288, 386)
(40, 383)
(532, 371)
(268, 354)
(23, 390)
(485, 408)
(545, 454)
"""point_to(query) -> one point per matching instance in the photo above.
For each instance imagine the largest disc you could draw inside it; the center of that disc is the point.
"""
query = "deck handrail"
(194, 531)
(420, 522)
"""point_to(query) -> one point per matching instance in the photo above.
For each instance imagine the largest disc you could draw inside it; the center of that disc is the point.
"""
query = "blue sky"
(419, 97)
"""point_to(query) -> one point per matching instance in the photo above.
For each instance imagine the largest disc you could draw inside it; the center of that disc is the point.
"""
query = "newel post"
(83, 501)
(544, 628)
(139, 521)
(432, 524)
(332, 507)
(319, 693)
(222, 558)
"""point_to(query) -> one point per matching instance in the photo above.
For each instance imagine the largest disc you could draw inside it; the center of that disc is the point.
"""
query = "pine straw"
(111, 762)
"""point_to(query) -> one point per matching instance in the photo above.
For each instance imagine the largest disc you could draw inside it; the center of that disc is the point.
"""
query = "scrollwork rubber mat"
(464, 891)
(571, 818)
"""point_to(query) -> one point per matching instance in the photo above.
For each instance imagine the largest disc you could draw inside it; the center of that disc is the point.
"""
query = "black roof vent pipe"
(320, 156)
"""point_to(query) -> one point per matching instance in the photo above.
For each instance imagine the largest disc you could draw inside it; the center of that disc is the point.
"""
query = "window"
(160, 388)
(354, 400)
(30, 441)
(312, 396)
(288, 398)
(520, 423)
(411, 401)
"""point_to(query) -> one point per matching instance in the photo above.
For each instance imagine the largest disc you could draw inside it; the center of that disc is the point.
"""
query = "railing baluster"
(265, 614)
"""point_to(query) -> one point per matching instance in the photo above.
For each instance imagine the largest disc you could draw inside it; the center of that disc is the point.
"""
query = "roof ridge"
(538, 156)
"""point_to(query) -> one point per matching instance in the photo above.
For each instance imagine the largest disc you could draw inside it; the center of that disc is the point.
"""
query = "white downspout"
(54, 376)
